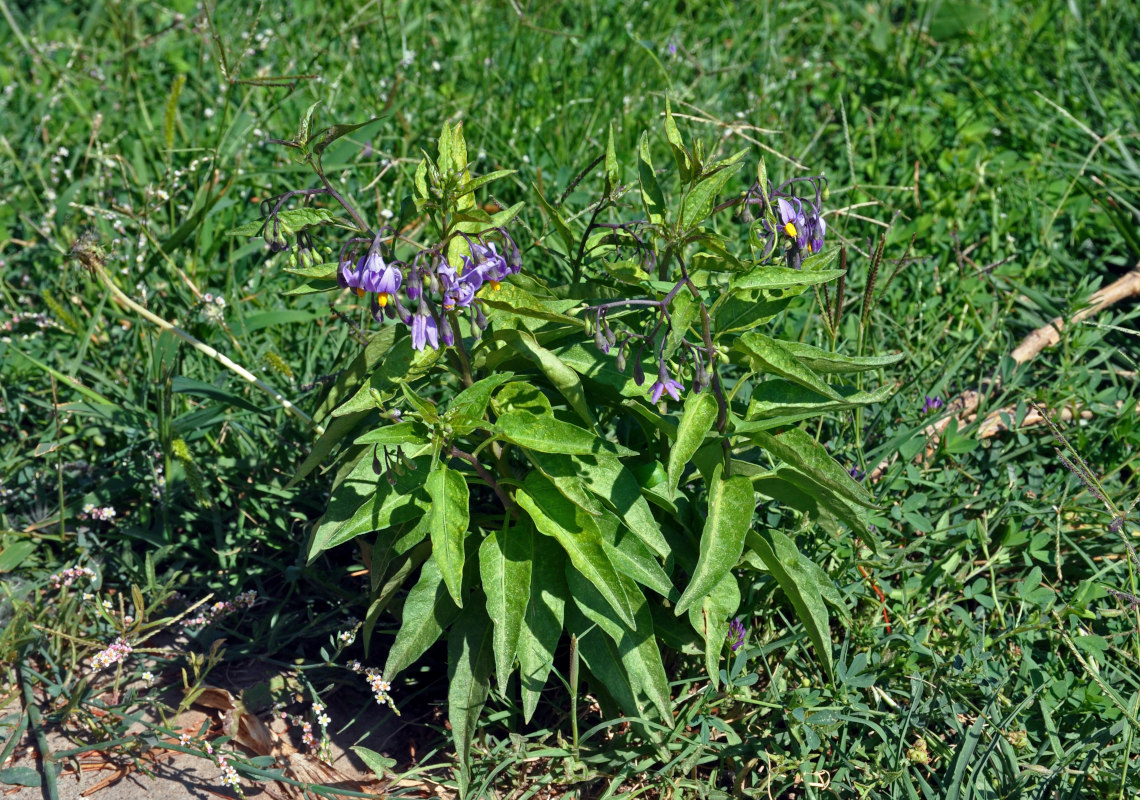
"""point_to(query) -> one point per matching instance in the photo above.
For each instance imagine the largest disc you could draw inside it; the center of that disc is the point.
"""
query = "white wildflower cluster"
(91, 511)
(70, 576)
(220, 609)
(381, 689)
(118, 650)
(213, 308)
(229, 774)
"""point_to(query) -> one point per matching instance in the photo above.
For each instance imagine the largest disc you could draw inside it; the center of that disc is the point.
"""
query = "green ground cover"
(986, 151)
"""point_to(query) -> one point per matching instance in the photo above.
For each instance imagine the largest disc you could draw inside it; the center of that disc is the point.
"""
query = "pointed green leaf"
(549, 435)
(636, 644)
(800, 451)
(366, 502)
(576, 531)
(777, 402)
(677, 145)
(827, 362)
(613, 171)
(770, 277)
(632, 558)
(505, 559)
(449, 515)
(800, 585)
(699, 201)
(767, 355)
(722, 541)
(320, 141)
(427, 611)
(711, 620)
(469, 663)
(619, 490)
(542, 625)
(564, 378)
(696, 421)
(410, 432)
(651, 196)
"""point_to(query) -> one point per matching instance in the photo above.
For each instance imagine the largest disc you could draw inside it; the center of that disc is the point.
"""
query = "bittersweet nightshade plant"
(522, 486)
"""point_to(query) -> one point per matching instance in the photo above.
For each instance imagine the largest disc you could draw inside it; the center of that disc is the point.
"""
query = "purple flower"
(425, 330)
(856, 473)
(665, 385)
(459, 290)
(490, 264)
(932, 404)
(792, 219)
(379, 277)
(736, 633)
(816, 228)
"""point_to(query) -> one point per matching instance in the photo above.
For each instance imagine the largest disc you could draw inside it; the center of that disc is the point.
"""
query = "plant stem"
(35, 722)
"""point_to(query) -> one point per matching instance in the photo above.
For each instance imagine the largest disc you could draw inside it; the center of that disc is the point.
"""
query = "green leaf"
(591, 363)
(14, 554)
(549, 435)
(320, 141)
(21, 776)
(476, 183)
(564, 378)
(803, 492)
(767, 355)
(380, 765)
(696, 421)
(801, 585)
(183, 385)
(521, 396)
(827, 362)
(770, 277)
(560, 226)
(777, 402)
(722, 541)
(289, 222)
(470, 659)
(633, 558)
(685, 167)
(449, 516)
(613, 171)
(427, 611)
(651, 196)
(618, 488)
(542, 625)
(305, 126)
(505, 562)
(800, 451)
(518, 302)
(636, 644)
(471, 403)
(366, 502)
(401, 363)
(398, 433)
(336, 432)
(576, 531)
(378, 347)
(821, 262)
(711, 620)
(699, 201)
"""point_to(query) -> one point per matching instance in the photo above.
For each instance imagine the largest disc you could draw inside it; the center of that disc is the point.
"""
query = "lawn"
(740, 399)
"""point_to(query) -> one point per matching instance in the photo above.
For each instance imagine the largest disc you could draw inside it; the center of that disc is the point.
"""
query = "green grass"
(1001, 137)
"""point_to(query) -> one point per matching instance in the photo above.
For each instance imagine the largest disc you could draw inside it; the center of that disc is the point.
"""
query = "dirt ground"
(115, 774)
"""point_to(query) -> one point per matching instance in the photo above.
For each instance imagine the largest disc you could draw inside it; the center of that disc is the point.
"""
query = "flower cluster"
(322, 748)
(800, 226)
(69, 576)
(932, 404)
(220, 609)
(213, 308)
(91, 511)
(229, 774)
(437, 288)
(118, 650)
(381, 689)
(736, 633)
